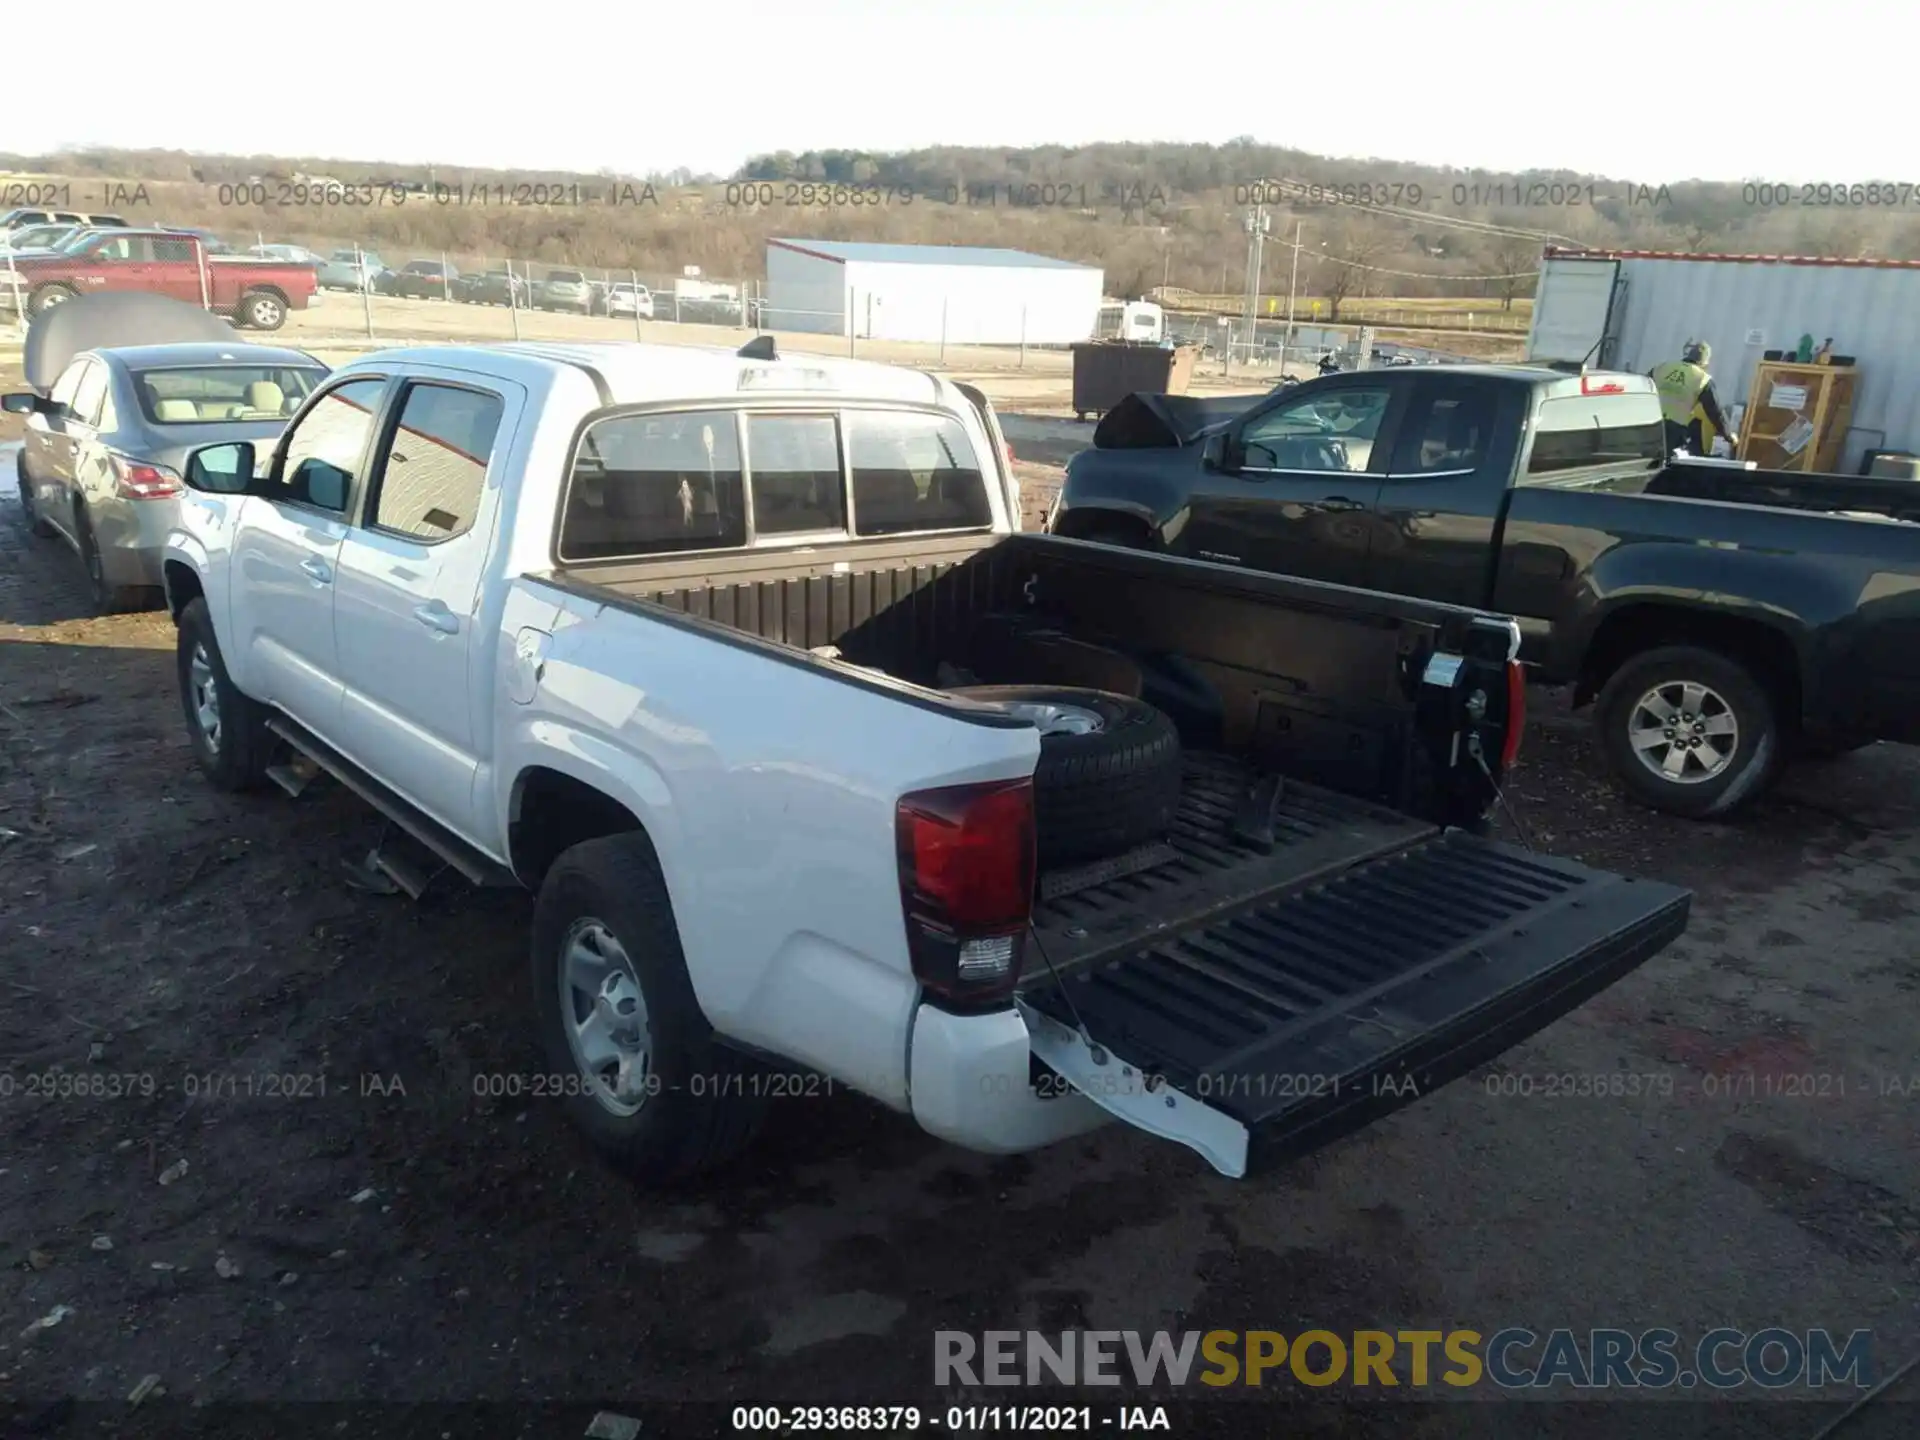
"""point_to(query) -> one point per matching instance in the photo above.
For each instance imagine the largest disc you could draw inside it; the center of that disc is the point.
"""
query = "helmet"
(1698, 352)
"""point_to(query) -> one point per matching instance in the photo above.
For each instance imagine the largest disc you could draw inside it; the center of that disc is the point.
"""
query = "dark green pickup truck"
(1724, 619)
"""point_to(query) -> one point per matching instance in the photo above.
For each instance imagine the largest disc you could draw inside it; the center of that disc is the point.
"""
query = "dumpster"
(1105, 372)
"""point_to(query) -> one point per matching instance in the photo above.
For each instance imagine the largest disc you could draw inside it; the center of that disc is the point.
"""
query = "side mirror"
(221, 469)
(1220, 454)
(20, 402)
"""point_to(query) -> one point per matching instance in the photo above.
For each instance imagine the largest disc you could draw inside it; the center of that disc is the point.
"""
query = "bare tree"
(1515, 264)
(1346, 269)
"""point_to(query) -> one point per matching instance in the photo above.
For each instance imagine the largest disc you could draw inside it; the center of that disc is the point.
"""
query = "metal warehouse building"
(1632, 309)
(959, 294)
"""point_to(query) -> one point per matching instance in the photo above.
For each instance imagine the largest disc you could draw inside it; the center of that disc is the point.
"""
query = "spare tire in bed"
(1109, 772)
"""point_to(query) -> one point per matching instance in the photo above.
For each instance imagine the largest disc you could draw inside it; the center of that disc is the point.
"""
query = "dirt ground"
(371, 1228)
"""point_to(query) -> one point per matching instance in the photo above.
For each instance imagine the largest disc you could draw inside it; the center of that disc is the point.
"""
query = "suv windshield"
(224, 394)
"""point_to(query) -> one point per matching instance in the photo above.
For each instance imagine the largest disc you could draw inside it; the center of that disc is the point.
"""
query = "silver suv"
(565, 290)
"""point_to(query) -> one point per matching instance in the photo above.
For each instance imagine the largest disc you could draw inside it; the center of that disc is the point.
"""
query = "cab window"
(1446, 431)
(326, 449)
(430, 480)
(655, 484)
(1332, 431)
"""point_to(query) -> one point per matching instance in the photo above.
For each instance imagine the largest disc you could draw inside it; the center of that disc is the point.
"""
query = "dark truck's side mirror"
(25, 402)
(221, 469)
(1220, 453)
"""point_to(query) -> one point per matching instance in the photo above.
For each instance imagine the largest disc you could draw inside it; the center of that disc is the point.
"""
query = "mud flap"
(1270, 1030)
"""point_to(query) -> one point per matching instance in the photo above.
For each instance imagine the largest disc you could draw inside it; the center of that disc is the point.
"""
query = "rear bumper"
(132, 535)
(971, 1078)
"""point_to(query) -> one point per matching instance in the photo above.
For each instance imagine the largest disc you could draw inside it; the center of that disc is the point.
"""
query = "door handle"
(1340, 502)
(436, 616)
(318, 569)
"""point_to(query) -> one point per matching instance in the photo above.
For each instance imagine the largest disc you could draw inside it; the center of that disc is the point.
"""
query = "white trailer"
(1633, 309)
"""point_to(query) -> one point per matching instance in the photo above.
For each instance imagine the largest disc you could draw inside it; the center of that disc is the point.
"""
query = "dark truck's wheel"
(1109, 771)
(1690, 731)
(35, 525)
(644, 1079)
(228, 729)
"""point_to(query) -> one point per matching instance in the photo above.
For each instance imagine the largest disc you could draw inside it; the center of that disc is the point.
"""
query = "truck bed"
(1298, 956)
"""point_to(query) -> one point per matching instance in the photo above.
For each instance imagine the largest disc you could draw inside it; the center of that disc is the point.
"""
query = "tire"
(262, 310)
(235, 753)
(48, 296)
(35, 525)
(1736, 748)
(680, 1122)
(108, 598)
(1118, 533)
(1101, 793)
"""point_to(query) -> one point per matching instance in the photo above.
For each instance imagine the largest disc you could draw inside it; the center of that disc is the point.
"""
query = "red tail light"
(136, 481)
(966, 857)
(1516, 714)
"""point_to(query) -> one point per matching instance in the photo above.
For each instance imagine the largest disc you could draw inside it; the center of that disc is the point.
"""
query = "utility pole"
(1293, 287)
(1257, 225)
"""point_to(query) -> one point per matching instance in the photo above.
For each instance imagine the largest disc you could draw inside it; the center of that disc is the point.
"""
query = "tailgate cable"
(1480, 758)
(1094, 1048)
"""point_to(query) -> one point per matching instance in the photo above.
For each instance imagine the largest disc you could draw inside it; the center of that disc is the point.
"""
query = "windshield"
(224, 394)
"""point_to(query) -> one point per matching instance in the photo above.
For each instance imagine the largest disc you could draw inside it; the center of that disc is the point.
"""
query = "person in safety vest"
(1691, 409)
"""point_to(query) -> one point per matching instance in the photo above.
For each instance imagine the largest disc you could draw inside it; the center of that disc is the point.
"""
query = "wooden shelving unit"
(1797, 415)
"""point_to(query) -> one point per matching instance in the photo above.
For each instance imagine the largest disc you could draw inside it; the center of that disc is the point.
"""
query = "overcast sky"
(1637, 90)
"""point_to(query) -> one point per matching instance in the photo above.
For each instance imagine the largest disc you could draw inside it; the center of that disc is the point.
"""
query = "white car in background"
(630, 300)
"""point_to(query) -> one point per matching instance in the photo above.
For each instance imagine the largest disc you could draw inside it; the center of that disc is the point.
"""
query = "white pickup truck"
(818, 768)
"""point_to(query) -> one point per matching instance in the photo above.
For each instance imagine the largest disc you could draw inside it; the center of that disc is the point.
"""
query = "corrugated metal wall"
(1872, 314)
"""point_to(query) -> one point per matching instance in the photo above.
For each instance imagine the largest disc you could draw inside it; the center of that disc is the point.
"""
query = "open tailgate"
(1276, 1025)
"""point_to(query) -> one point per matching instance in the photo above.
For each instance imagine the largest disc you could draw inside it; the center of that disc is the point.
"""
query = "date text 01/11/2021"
(964, 1419)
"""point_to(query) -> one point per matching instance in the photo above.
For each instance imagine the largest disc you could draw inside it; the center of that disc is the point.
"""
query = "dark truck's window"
(913, 472)
(1329, 431)
(653, 485)
(1447, 430)
(794, 463)
(1575, 432)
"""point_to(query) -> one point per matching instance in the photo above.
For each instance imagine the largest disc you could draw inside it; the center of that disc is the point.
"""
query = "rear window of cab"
(664, 483)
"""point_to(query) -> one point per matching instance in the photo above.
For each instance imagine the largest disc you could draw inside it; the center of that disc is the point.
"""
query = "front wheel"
(228, 729)
(636, 1064)
(1690, 731)
(48, 296)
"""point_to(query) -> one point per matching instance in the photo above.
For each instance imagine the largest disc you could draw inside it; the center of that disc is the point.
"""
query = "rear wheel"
(1690, 731)
(35, 525)
(108, 598)
(645, 1080)
(262, 310)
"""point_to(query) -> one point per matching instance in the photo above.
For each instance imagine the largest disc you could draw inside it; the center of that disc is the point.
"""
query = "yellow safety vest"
(1680, 385)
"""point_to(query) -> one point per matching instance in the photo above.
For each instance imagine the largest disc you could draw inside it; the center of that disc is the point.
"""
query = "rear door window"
(914, 472)
(655, 484)
(1446, 432)
(429, 482)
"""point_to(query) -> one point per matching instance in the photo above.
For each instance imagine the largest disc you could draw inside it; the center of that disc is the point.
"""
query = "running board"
(479, 868)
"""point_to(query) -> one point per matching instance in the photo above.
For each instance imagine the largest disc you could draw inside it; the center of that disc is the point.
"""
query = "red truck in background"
(256, 293)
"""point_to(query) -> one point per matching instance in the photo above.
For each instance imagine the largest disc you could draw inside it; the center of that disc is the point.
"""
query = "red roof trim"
(802, 250)
(1555, 252)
